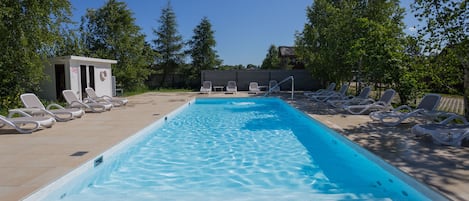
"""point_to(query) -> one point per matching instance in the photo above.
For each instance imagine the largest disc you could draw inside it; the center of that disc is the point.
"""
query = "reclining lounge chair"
(206, 87)
(327, 90)
(25, 123)
(88, 105)
(351, 100)
(254, 88)
(426, 109)
(116, 102)
(332, 95)
(34, 107)
(383, 104)
(231, 87)
(445, 132)
(273, 86)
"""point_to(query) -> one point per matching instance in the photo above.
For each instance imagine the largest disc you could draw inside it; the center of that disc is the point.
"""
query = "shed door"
(83, 81)
(59, 81)
(91, 73)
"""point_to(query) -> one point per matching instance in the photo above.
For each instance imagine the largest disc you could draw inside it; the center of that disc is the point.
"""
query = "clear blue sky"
(244, 29)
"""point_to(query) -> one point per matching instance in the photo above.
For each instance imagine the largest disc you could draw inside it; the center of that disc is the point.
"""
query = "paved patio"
(31, 161)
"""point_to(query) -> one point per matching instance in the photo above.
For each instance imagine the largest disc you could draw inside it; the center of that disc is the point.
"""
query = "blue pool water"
(242, 149)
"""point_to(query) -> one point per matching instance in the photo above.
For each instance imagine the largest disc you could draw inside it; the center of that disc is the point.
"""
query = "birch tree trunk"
(466, 91)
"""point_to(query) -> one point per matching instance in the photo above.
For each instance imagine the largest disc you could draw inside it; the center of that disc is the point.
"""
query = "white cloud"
(412, 29)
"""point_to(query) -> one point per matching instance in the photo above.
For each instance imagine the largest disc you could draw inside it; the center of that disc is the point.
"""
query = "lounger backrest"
(429, 102)
(364, 93)
(207, 84)
(331, 86)
(387, 96)
(231, 84)
(343, 89)
(30, 100)
(273, 85)
(91, 93)
(70, 96)
(253, 85)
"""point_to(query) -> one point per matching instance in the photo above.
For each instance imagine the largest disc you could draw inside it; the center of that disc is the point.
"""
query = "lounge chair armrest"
(54, 105)
(12, 112)
(403, 107)
(368, 101)
(106, 97)
(453, 117)
(380, 103)
(89, 100)
(79, 103)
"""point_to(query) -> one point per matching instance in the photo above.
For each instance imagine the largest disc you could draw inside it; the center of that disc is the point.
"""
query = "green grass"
(3, 111)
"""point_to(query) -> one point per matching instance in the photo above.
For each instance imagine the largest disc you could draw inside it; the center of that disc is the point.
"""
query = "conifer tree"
(168, 43)
(202, 44)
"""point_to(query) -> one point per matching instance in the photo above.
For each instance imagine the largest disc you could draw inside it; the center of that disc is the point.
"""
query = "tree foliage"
(357, 39)
(447, 27)
(271, 60)
(30, 31)
(110, 32)
(201, 49)
(168, 43)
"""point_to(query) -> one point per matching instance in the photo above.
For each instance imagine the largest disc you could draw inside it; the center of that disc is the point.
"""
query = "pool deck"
(31, 161)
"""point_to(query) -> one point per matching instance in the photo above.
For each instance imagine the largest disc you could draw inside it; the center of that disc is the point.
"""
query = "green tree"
(110, 32)
(318, 45)
(446, 25)
(271, 60)
(168, 43)
(412, 72)
(71, 43)
(203, 54)
(360, 38)
(29, 30)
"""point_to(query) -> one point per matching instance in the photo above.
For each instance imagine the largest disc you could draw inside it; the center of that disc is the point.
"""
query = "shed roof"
(89, 59)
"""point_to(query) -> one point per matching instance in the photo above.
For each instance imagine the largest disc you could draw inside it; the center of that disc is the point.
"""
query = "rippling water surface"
(237, 150)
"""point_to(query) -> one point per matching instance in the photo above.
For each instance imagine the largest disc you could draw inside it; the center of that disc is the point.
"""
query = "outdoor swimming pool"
(236, 149)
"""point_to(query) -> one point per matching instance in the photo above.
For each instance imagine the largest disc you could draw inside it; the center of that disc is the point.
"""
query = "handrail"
(281, 82)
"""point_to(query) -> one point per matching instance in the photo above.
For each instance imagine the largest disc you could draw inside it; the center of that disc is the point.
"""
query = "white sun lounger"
(206, 87)
(341, 94)
(88, 105)
(25, 123)
(444, 132)
(351, 100)
(254, 88)
(116, 102)
(327, 90)
(273, 86)
(34, 107)
(383, 104)
(231, 87)
(426, 109)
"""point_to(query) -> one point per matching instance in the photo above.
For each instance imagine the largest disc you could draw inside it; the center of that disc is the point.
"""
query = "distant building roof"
(285, 51)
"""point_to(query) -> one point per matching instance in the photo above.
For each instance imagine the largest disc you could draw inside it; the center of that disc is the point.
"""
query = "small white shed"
(77, 73)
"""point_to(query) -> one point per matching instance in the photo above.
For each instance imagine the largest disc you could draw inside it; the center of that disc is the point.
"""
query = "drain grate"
(79, 153)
